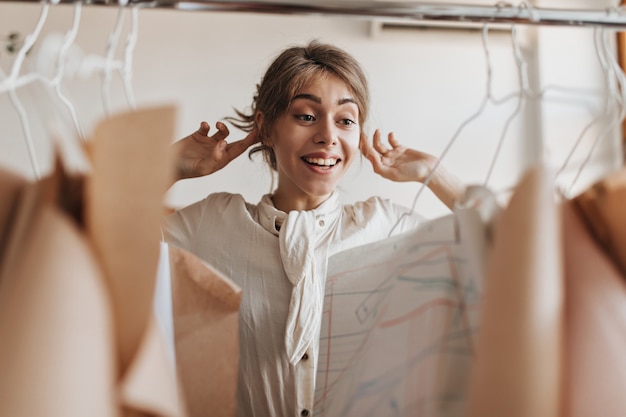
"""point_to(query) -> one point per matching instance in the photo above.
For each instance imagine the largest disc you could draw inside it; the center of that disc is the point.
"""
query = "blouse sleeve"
(180, 227)
(381, 216)
(191, 227)
(403, 218)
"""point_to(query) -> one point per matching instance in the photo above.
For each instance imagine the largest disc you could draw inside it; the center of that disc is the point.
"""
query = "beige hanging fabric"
(132, 170)
(603, 208)
(76, 323)
(20, 202)
(10, 188)
(553, 327)
(595, 371)
(206, 315)
(517, 372)
(57, 354)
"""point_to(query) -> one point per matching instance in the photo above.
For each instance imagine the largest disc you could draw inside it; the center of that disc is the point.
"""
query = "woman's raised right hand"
(200, 154)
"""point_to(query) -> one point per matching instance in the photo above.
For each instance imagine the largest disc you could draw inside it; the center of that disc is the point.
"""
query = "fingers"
(366, 148)
(364, 145)
(251, 138)
(222, 132)
(219, 152)
(378, 144)
(204, 129)
(370, 153)
(223, 152)
(393, 141)
(237, 148)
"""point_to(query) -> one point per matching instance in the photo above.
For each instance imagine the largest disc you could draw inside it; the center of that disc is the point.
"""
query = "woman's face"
(315, 141)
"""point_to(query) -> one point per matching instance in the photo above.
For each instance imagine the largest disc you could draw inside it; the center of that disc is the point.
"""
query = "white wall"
(424, 83)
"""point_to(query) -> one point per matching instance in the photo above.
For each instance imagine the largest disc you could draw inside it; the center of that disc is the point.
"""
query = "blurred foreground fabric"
(553, 331)
(77, 268)
(521, 314)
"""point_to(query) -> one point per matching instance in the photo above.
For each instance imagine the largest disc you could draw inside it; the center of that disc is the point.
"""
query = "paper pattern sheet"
(399, 322)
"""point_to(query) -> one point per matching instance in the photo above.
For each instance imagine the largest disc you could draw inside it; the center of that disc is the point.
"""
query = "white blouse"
(279, 260)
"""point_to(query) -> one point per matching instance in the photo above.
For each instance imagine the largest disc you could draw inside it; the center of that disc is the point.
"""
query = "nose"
(327, 132)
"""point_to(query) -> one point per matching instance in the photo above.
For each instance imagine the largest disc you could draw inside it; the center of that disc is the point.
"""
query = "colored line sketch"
(399, 323)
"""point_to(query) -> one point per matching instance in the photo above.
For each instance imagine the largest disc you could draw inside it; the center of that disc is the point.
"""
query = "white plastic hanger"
(127, 68)
(483, 104)
(601, 115)
(616, 85)
(55, 83)
(523, 94)
(614, 110)
(109, 62)
(11, 82)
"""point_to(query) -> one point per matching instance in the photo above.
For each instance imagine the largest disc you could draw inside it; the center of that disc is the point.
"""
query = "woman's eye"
(347, 122)
(305, 117)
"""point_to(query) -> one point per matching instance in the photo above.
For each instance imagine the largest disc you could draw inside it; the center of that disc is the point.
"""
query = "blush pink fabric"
(595, 337)
(517, 372)
(206, 329)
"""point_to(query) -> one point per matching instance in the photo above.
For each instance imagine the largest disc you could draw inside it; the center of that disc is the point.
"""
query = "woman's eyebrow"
(346, 100)
(316, 99)
(306, 96)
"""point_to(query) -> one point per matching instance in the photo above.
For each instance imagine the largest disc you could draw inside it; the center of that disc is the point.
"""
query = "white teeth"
(321, 161)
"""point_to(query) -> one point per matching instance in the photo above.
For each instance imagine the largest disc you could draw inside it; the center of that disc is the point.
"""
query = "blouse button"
(305, 357)
(304, 412)
(322, 223)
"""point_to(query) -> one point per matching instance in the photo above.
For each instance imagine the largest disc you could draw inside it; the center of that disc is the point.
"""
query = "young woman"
(307, 120)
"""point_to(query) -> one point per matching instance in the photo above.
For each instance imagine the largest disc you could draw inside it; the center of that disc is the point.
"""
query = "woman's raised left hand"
(397, 163)
(400, 163)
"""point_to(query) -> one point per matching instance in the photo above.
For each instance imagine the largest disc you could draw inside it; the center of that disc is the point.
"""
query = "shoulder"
(381, 212)
(209, 215)
(373, 207)
(203, 210)
(224, 199)
(213, 201)
(373, 203)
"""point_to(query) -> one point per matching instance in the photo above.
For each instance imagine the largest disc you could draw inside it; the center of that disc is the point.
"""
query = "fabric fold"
(517, 372)
(206, 313)
(305, 262)
(595, 369)
(149, 386)
(57, 354)
(602, 207)
(123, 197)
(59, 316)
(298, 257)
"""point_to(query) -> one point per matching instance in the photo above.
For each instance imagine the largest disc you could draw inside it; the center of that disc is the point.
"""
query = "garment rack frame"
(500, 12)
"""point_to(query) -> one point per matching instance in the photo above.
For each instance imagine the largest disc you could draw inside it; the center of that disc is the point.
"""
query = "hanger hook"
(11, 82)
(458, 132)
(69, 39)
(29, 41)
(485, 43)
(522, 69)
(532, 13)
(107, 72)
(127, 68)
(615, 82)
(603, 65)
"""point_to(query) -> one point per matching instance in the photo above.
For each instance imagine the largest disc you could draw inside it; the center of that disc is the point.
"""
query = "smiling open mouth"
(321, 162)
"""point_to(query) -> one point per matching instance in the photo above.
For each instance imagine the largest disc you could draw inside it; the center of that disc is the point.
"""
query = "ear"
(259, 120)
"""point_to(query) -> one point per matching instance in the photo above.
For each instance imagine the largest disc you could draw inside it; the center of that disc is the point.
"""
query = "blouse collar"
(272, 218)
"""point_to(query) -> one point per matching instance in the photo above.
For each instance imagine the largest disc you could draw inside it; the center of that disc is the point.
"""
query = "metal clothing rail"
(500, 12)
